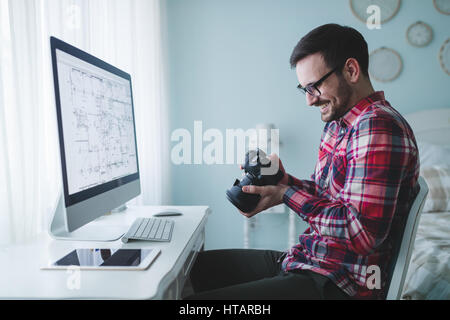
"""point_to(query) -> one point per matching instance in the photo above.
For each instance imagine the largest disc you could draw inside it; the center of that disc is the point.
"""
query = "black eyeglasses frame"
(315, 86)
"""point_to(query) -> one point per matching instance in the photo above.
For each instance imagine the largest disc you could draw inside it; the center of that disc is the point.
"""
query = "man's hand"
(270, 196)
(274, 158)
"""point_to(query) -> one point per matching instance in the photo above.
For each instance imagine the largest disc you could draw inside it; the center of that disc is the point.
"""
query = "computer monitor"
(97, 140)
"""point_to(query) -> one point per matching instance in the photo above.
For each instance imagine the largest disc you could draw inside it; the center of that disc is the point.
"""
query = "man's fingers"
(252, 189)
(247, 214)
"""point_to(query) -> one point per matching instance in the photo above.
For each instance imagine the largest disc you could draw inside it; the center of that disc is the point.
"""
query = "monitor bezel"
(72, 199)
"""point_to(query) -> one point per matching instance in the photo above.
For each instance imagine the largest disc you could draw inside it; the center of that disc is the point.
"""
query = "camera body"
(255, 162)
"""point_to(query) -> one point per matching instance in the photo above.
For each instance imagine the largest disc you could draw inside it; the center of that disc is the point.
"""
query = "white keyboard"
(150, 229)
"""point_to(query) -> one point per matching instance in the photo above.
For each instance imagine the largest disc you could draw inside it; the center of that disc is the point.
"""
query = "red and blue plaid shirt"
(364, 183)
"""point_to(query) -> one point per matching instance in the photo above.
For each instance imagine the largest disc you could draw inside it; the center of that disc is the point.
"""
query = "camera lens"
(254, 160)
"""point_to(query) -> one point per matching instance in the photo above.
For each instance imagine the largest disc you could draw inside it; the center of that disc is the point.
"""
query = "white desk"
(22, 278)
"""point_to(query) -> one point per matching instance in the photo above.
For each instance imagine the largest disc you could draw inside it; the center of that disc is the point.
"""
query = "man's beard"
(345, 93)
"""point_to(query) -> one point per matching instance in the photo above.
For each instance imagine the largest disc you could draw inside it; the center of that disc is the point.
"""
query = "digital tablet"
(106, 259)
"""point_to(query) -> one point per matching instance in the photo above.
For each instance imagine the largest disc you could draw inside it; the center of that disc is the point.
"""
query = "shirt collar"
(348, 118)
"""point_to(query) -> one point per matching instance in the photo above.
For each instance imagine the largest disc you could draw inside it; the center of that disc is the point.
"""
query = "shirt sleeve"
(377, 158)
(308, 186)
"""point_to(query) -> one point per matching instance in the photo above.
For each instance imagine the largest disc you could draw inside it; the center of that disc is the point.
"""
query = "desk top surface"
(21, 276)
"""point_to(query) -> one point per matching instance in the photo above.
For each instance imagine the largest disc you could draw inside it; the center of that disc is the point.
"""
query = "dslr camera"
(258, 172)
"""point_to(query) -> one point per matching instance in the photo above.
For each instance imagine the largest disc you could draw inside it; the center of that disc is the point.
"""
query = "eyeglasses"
(313, 88)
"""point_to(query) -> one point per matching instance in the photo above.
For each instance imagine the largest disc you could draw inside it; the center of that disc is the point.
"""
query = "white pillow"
(438, 181)
(431, 154)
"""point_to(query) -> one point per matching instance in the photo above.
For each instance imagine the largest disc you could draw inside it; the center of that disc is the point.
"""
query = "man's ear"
(352, 70)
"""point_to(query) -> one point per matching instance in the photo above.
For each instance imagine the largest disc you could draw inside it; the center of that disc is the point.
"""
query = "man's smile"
(324, 107)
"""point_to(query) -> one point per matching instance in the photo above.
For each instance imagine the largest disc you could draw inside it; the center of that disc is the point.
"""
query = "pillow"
(438, 181)
(431, 154)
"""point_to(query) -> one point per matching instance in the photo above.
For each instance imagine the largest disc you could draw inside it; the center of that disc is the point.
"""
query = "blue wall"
(228, 63)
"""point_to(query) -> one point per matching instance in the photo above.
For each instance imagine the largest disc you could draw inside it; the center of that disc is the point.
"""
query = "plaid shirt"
(364, 183)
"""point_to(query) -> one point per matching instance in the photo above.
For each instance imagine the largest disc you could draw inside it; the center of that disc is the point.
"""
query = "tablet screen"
(104, 257)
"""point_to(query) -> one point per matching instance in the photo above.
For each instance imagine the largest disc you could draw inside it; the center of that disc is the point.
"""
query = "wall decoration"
(388, 8)
(385, 64)
(444, 56)
(419, 34)
(443, 6)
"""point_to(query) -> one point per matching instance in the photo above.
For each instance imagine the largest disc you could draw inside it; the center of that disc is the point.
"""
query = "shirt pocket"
(338, 173)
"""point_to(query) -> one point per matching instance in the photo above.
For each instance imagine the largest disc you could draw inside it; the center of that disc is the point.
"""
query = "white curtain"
(125, 33)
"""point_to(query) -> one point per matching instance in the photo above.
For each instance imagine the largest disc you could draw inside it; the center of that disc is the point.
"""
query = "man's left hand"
(270, 196)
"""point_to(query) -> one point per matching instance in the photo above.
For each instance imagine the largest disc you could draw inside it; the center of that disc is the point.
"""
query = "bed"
(428, 275)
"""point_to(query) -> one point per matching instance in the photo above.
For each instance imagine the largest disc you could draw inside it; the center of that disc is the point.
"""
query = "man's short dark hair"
(336, 43)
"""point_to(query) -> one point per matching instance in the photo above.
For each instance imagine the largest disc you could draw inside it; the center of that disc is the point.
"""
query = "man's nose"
(310, 99)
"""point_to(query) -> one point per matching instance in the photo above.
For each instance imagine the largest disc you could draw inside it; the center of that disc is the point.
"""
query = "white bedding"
(429, 270)
(428, 276)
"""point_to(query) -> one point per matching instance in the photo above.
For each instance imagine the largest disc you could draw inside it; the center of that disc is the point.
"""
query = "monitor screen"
(96, 124)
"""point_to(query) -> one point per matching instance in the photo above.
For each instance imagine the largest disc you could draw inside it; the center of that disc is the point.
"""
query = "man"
(364, 183)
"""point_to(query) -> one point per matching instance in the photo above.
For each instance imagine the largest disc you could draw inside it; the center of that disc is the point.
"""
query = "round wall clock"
(444, 56)
(419, 34)
(443, 6)
(388, 8)
(385, 64)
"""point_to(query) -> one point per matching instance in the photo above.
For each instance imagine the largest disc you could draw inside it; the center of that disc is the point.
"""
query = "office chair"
(401, 264)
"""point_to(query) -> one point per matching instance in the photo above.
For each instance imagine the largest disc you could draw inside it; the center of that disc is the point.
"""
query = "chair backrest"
(406, 247)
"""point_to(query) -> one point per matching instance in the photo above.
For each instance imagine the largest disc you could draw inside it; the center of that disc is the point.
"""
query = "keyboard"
(150, 229)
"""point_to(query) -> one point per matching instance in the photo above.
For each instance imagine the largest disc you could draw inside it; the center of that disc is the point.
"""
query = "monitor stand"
(89, 232)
